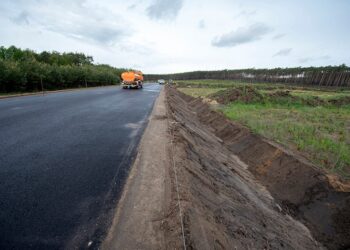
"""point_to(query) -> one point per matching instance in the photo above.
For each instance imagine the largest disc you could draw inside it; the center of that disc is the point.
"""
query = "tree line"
(27, 70)
(335, 76)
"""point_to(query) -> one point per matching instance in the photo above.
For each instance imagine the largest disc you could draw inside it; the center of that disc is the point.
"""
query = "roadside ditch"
(240, 190)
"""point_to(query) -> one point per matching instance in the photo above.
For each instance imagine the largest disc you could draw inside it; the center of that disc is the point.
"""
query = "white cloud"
(242, 35)
(278, 36)
(74, 20)
(283, 52)
(105, 33)
(313, 59)
(164, 9)
(245, 13)
(22, 18)
(201, 24)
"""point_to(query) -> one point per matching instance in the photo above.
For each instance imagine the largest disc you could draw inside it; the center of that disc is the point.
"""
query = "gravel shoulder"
(138, 220)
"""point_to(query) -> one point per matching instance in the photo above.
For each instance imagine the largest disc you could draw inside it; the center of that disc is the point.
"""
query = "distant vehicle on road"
(161, 81)
(132, 80)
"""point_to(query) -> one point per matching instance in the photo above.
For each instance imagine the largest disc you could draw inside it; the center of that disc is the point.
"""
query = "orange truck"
(132, 79)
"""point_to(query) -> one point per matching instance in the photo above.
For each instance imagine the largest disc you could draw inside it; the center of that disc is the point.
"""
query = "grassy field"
(315, 122)
(200, 92)
(261, 86)
(221, 84)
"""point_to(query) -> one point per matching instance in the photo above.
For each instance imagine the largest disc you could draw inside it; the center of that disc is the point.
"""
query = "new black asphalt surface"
(63, 160)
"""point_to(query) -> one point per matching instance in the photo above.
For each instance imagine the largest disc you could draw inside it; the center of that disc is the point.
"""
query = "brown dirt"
(239, 190)
(244, 94)
(223, 205)
(345, 100)
(280, 93)
(250, 94)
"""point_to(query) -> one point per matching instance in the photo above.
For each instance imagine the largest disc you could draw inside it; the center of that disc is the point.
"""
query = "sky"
(169, 36)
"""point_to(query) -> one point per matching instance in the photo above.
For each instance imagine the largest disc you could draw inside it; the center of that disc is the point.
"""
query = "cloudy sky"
(164, 36)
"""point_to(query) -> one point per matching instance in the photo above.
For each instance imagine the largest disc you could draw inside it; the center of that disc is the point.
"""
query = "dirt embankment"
(225, 199)
(223, 205)
(244, 94)
(249, 94)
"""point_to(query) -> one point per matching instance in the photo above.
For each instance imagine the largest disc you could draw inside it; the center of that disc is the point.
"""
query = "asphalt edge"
(52, 92)
(110, 242)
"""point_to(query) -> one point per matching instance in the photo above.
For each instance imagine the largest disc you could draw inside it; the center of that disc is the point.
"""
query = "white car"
(161, 81)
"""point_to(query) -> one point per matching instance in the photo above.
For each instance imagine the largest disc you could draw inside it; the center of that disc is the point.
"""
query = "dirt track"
(237, 190)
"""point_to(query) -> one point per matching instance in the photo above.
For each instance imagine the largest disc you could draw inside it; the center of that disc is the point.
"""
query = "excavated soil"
(240, 191)
(345, 100)
(249, 94)
(244, 94)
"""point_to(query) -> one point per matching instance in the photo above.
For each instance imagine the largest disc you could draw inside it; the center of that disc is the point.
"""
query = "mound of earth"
(250, 94)
(280, 93)
(241, 191)
(244, 94)
(285, 94)
(345, 100)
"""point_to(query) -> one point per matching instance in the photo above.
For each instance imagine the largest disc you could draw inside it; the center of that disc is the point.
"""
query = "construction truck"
(132, 80)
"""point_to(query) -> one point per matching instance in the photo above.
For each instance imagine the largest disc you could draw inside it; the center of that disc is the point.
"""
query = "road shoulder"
(138, 220)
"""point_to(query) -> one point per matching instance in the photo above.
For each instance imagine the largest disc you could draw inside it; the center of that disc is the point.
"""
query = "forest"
(28, 71)
(331, 76)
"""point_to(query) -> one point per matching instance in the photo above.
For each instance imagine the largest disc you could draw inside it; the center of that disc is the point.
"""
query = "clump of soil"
(249, 94)
(345, 100)
(286, 95)
(314, 101)
(280, 93)
(245, 94)
(227, 176)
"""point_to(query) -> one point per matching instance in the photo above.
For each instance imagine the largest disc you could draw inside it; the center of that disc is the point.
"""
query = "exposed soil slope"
(224, 204)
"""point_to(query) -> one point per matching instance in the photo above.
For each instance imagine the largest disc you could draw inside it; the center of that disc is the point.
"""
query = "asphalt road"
(63, 160)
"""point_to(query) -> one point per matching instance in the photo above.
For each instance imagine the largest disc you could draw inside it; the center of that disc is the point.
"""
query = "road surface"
(63, 160)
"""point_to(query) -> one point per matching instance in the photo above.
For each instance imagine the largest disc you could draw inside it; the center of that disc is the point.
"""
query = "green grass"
(208, 83)
(199, 92)
(221, 84)
(321, 133)
(325, 95)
